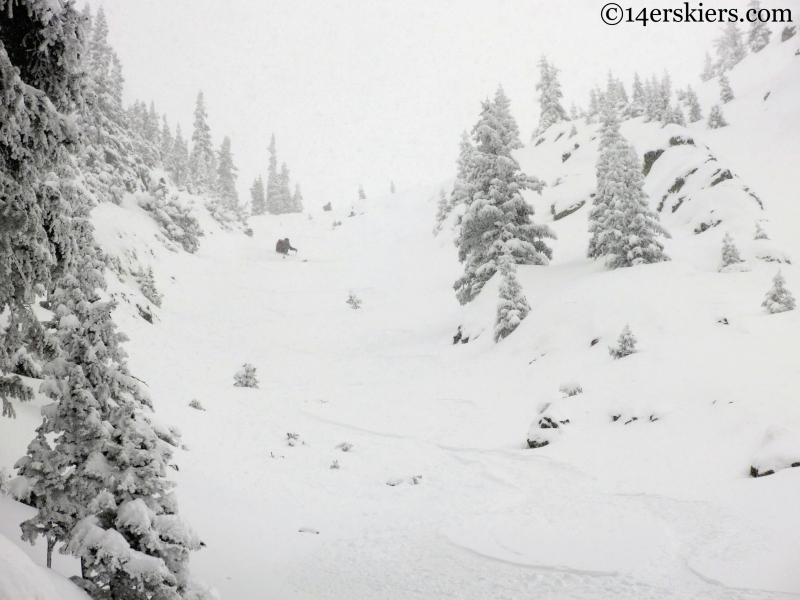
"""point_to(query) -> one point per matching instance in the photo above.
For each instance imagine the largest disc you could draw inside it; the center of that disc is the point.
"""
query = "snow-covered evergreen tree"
(716, 118)
(166, 148)
(147, 284)
(623, 228)
(550, 109)
(462, 189)
(709, 69)
(513, 306)
(180, 159)
(226, 177)
(497, 216)
(759, 34)
(274, 190)
(285, 191)
(114, 158)
(41, 85)
(725, 91)
(246, 377)
(626, 344)
(361, 194)
(779, 299)
(297, 200)
(572, 132)
(258, 201)
(730, 48)
(443, 208)
(693, 104)
(637, 107)
(675, 116)
(202, 160)
(760, 233)
(730, 254)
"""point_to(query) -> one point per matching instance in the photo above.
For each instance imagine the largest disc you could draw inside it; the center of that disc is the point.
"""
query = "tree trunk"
(51, 543)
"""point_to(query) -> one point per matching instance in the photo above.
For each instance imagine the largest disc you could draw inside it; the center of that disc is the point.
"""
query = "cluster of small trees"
(277, 198)
(96, 470)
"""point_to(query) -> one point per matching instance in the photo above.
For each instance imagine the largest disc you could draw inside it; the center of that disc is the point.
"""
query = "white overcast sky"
(362, 92)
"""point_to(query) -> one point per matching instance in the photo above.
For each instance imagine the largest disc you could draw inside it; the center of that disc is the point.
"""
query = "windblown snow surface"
(643, 491)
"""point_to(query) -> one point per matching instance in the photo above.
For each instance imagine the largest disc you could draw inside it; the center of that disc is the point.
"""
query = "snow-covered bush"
(246, 377)
(760, 233)
(335, 464)
(571, 388)
(779, 299)
(176, 221)
(292, 438)
(353, 300)
(788, 32)
(196, 404)
(345, 447)
(715, 118)
(147, 284)
(626, 344)
(730, 255)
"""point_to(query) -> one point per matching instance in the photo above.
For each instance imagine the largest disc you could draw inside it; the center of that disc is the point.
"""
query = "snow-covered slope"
(642, 491)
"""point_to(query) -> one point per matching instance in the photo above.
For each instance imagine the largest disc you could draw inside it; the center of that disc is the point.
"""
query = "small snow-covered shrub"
(626, 344)
(760, 233)
(246, 377)
(715, 118)
(196, 404)
(779, 299)
(788, 32)
(353, 300)
(292, 438)
(147, 284)
(416, 479)
(345, 447)
(335, 464)
(572, 388)
(176, 221)
(731, 261)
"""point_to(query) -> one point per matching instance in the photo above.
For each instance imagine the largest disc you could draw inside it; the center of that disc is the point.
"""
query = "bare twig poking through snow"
(779, 299)
(572, 388)
(626, 344)
(345, 447)
(335, 464)
(308, 530)
(416, 479)
(246, 377)
(353, 300)
(196, 404)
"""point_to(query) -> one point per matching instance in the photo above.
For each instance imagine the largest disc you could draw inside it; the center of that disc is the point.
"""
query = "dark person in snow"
(283, 246)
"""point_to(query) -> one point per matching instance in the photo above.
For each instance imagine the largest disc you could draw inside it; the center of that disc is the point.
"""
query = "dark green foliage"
(649, 159)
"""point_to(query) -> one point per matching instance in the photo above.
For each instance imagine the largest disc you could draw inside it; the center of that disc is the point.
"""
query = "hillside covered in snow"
(388, 442)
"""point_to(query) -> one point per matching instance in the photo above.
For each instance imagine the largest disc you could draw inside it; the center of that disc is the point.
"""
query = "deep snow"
(657, 507)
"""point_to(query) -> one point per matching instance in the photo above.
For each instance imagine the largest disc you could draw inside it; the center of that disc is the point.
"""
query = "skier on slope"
(283, 246)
